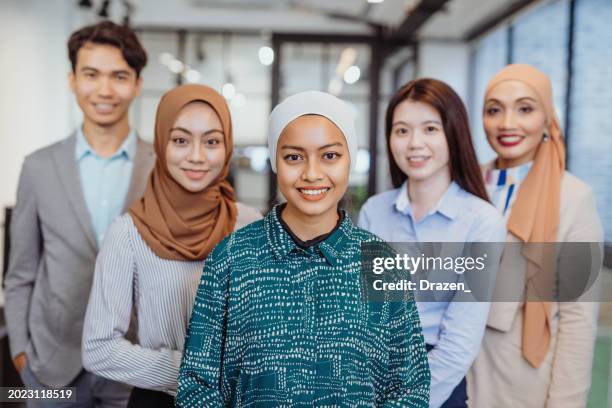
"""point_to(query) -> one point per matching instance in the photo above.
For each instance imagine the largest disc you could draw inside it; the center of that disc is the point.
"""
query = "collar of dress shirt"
(127, 148)
(331, 247)
(446, 206)
(310, 242)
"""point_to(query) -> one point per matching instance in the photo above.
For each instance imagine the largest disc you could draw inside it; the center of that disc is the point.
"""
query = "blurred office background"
(257, 52)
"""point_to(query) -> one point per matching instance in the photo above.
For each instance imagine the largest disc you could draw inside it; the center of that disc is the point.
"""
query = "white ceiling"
(258, 15)
(338, 16)
(460, 16)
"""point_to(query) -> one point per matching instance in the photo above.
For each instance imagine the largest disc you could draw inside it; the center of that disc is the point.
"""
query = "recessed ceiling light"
(228, 90)
(192, 76)
(352, 74)
(165, 58)
(266, 55)
(176, 66)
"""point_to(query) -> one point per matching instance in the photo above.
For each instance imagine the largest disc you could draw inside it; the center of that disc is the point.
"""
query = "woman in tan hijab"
(537, 351)
(151, 260)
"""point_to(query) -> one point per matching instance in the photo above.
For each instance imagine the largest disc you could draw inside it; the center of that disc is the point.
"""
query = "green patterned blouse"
(276, 325)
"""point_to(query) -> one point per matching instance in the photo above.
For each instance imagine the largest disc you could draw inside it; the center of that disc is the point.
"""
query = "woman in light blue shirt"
(439, 196)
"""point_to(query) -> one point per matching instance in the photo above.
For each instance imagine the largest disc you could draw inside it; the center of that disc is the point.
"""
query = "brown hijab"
(535, 214)
(175, 223)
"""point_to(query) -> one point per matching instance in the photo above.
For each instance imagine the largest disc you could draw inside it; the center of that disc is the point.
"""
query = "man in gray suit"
(68, 195)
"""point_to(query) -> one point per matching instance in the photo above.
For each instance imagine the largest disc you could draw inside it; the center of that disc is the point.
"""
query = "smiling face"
(104, 84)
(514, 121)
(418, 142)
(195, 154)
(312, 166)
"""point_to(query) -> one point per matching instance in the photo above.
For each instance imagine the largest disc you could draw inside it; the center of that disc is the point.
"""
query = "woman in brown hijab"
(151, 259)
(538, 348)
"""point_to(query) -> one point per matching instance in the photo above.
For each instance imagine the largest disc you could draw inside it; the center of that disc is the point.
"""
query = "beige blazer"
(500, 376)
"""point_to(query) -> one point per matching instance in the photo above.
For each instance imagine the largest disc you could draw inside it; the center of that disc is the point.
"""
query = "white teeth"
(418, 159)
(103, 106)
(510, 139)
(313, 192)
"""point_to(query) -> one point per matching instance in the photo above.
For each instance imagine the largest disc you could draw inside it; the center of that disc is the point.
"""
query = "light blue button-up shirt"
(455, 329)
(105, 181)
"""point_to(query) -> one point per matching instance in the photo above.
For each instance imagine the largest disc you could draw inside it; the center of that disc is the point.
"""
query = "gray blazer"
(52, 259)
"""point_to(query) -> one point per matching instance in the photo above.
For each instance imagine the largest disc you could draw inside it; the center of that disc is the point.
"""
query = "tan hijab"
(535, 214)
(175, 223)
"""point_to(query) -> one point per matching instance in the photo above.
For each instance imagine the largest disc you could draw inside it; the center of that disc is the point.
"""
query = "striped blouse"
(130, 275)
(277, 325)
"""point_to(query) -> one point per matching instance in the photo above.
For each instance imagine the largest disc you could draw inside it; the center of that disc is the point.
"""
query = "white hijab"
(313, 103)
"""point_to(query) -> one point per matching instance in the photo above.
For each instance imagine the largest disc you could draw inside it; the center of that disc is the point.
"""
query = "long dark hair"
(464, 168)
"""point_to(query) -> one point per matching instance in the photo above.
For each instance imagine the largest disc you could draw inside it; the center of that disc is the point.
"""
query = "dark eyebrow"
(327, 146)
(401, 122)
(292, 147)
(528, 98)
(181, 129)
(117, 72)
(208, 132)
(121, 72)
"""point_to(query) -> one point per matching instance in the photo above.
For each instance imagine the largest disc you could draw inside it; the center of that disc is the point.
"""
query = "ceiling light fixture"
(228, 91)
(104, 9)
(193, 76)
(347, 58)
(165, 58)
(266, 55)
(176, 66)
(128, 8)
(352, 74)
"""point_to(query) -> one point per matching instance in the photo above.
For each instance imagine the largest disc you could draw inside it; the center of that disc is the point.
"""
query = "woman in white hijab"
(295, 327)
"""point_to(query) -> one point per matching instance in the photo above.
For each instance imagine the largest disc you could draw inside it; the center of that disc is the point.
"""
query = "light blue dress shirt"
(455, 329)
(105, 181)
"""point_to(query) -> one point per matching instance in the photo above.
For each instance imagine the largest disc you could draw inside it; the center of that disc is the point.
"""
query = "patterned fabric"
(274, 325)
(503, 184)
